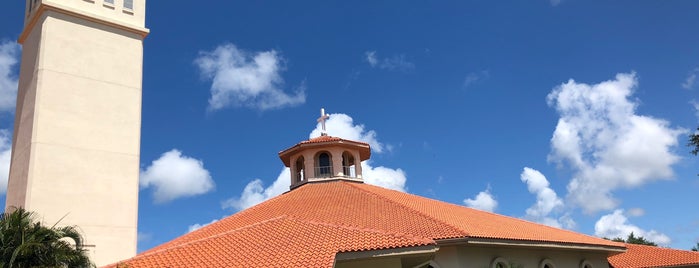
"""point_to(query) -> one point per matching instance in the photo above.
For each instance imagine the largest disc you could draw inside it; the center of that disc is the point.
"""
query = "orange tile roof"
(649, 256)
(342, 216)
(324, 138)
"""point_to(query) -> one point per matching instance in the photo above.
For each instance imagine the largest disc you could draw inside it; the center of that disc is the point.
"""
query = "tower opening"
(324, 168)
(299, 174)
(348, 165)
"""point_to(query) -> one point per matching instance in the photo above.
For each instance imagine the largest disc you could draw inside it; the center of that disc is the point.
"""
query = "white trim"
(526, 243)
(379, 253)
(545, 262)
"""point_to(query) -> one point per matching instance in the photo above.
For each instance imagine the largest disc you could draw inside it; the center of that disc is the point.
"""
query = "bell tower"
(76, 144)
(325, 158)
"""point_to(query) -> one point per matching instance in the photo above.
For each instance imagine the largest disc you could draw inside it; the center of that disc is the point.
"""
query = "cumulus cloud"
(9, 54)
(547, 201)
(607, 145)
(338, 125)
(397, 62)
(383, 176)
(690, 81)
(616, 225)
(5, 154)
(342, 125)
(483, 201)
(174, 175)
(248, 79)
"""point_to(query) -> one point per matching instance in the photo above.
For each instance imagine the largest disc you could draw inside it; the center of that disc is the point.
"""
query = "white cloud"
(635, 212)
(371, 58)
(198, 226)
(338, 125)
(255, 192)
(342, 125)
(483, 201)
(474, 77)
(600, 136)
(397, 62)
(691, 79)
(695, 105)
(174, 175)
(616, 225)
(5, 155)
(242, 78)
(547, 201)
(385, 177)
(9, 53)
(555, 2)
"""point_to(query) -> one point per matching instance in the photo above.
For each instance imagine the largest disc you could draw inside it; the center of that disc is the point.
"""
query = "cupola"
(325, 158)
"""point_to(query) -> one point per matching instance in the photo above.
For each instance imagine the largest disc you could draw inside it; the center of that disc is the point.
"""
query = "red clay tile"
(306, 227)
(649, 256)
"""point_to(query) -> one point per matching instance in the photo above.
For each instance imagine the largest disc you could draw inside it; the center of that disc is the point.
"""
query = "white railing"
(349, 171)
(327, 172)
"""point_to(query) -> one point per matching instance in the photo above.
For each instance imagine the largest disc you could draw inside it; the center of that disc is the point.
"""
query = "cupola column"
(337, 163)
(357, 165)
(309, 165)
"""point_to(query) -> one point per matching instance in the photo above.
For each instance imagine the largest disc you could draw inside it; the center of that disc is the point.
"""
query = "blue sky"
(569, 113)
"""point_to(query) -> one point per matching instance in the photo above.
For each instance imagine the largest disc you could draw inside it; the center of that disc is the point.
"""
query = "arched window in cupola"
(324, 167)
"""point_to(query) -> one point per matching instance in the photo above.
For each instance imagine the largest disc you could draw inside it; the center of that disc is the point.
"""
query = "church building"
(330, 218)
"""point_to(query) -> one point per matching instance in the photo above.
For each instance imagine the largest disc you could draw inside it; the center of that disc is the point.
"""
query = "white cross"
(322, 119)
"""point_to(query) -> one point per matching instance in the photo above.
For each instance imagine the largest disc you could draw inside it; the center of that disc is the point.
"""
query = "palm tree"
(25, 242)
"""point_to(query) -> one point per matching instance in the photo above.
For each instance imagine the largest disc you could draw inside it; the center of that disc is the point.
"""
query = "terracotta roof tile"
(279, 242)
(649, 256)
(342, 216)
(482, 224)
(322, 139)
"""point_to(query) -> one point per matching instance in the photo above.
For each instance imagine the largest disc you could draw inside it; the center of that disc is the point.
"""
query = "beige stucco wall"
(77, 129)
(99, 9)
(336, 155)
(482, 257)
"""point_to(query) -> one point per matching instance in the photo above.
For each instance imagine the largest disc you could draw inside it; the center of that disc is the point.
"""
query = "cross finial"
(321, 120)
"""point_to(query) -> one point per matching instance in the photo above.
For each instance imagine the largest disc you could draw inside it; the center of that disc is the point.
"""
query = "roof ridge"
(280, 217)
(458, 230)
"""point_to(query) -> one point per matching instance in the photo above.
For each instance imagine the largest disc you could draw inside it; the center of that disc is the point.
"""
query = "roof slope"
(279, 242)
(342, 216)
(649, 256)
